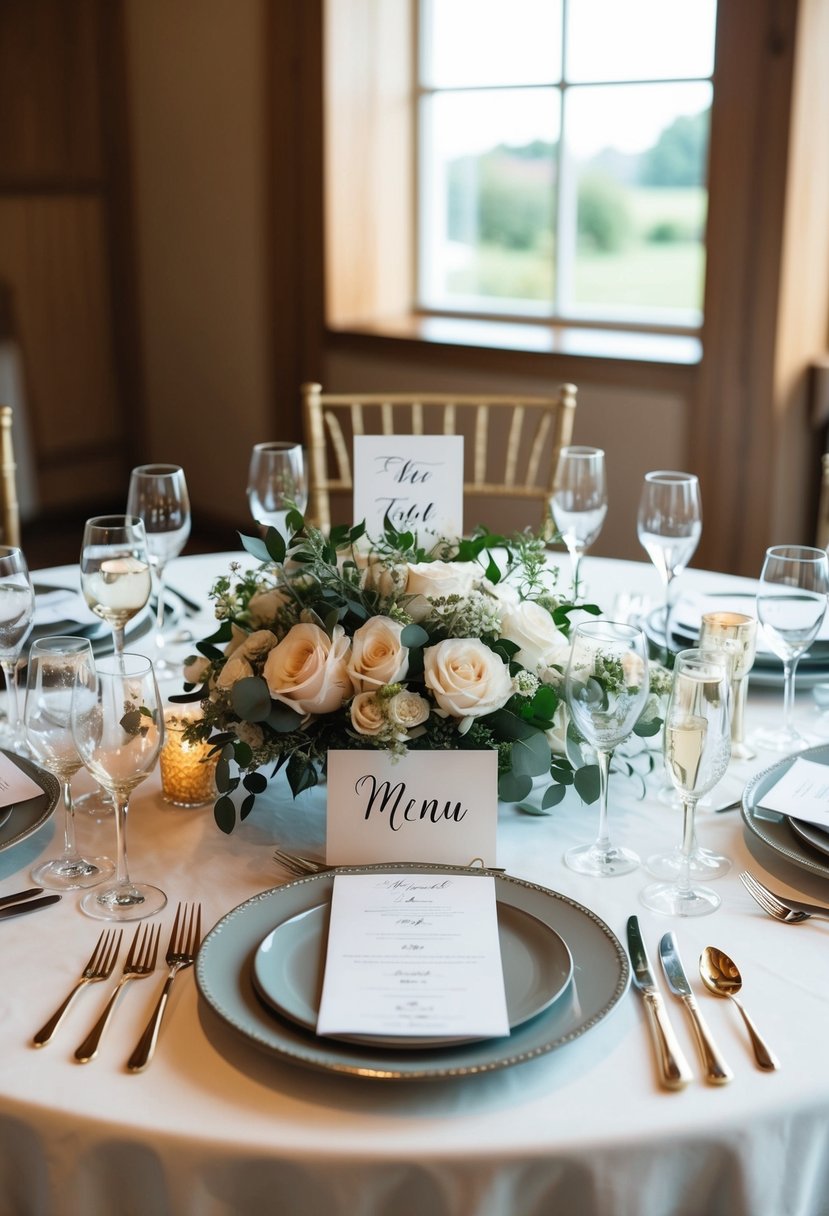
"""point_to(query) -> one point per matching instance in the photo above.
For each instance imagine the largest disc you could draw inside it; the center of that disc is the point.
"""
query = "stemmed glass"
(115, 570)
(276, 483)
(118, 728)
(669, 526)
(50, 680)
(735, 633)
(697, 750)
(579, 502)
(158, 495)
(606, 686)
(17, 605)
(791, 605)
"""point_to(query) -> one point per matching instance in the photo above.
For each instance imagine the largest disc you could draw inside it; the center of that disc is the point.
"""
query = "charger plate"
(781, 836)
(224, 975)
(26, 817)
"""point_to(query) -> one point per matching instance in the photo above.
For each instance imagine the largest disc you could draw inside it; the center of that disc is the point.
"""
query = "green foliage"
(605, 222)
(679, 156)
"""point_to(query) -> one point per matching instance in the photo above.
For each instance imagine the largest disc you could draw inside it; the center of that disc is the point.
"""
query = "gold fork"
(99, 967)
(140, 963)
(185, 937)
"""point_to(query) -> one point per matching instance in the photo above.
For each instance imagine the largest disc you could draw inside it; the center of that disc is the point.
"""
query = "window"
(562, 157)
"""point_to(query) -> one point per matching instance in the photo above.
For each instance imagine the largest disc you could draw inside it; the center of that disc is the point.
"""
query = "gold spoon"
(722, 977)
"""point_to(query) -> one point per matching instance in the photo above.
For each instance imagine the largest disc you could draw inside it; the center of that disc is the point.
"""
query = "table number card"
(439, 806)
(417, 480)
(413, 954)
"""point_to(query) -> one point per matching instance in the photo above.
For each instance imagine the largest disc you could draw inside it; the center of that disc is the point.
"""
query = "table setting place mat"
(261, 970)
(806, 844)
(21, 818)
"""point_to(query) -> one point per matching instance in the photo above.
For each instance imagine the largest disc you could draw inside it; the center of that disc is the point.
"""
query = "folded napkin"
(62, 605)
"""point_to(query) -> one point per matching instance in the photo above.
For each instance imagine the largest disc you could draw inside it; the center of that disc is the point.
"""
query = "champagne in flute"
(579, 502)
(735, 633)
(276, 483)
(17, 604)
(115, 571)
(669, 526)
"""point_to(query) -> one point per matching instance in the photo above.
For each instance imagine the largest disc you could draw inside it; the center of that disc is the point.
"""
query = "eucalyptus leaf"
(282, 719)
(531, 756)
(256, 547)
(275, 545)
(223, 776)
(251, 699)
(414, 636)
(256, 783)
(242, 753)
(514, 787)
(528, 808)
(553, 795)
(646, 730)
(247, 806)
(588, 783)
(224, 812)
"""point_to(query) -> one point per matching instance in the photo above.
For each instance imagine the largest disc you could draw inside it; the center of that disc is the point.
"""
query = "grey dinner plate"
(781, 836)
(224, 974)
(26, 817)
(289, 967)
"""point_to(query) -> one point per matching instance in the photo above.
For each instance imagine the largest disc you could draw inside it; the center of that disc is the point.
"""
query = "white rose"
(196, 671)
(407, 710)
(308, 671)
(466, 678)
(264, 606)
(256, 646)
(434, 580)
(377, 655)
(235, 669)
(531, 627)
(367, 716)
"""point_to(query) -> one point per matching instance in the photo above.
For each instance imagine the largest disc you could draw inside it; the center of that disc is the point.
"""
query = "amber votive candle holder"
(188, 771)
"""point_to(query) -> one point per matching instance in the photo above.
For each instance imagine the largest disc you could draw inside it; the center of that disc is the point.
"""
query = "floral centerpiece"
(332, 643)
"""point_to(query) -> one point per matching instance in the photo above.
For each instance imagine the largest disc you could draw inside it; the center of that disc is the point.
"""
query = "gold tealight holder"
(735, 634)
(188, 771)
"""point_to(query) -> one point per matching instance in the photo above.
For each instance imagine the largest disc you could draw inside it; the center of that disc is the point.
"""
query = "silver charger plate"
(781, 836)
(817, 837)
(224, 967)
(26, 817)
(289, 967)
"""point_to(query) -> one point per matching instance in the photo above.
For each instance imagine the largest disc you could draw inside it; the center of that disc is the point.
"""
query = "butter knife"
(716, 1071)
(674, 1072)
(28, 905)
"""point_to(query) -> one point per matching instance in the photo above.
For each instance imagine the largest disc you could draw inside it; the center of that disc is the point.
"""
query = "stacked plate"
(60, 611)
(261, 970)
(803, 843)
(23, 818)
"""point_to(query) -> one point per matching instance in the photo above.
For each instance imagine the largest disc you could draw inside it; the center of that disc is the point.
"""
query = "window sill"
(572, 341)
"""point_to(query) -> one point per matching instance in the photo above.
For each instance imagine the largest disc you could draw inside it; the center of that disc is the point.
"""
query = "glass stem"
(789, 669)
(576, 555)
(122, 877)
(739, 688)
(118, 639)
(159, 611)
(70, 849)
(688, 842)
(603, 838)
(10, 674)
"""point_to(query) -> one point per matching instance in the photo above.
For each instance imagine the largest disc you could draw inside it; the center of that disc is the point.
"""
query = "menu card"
(415, 480)
(802, 792)
(15, 785)
(413, 954)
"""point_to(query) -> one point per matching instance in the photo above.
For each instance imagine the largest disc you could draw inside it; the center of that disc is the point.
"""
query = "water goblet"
(158, 496)
(276, 483)
(17, 605)
(579, 502)
(697, 748)
(669, 526)
(50, 680)
(118, 728)
(115, 571)
(791, 605)
(606, 686)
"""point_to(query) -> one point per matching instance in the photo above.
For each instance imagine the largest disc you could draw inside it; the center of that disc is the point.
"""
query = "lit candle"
(188, 772)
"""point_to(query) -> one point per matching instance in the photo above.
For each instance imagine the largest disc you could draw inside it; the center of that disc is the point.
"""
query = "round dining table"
(218, 1124)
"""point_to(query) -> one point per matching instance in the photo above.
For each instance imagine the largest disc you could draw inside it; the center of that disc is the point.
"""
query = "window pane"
(489, 42)
(639, 155)
(488, 168)
(640, 39)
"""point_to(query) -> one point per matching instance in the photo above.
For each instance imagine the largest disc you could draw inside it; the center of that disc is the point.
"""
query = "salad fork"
(792, 911)
(140, 963)
(100, 965)
(185, 938)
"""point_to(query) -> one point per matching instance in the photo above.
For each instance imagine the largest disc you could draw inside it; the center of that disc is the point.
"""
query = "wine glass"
(669, 526)
(115, 570)
(276, 483)
(158, 495)
(118, 728)
(50, 679)
(791, 605)
(606, 686)
(697, 747)
(17, 605)
(579, 502)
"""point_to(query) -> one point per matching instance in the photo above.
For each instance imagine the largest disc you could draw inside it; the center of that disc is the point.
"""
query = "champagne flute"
(669, 526)
(697, 749)
(579, 502)
(606, 686)
(17, 605)
(276, 483)
(158, 495)
(50, 679)
(118, 728)
(791, 605)
(735, 634)
(115, 570)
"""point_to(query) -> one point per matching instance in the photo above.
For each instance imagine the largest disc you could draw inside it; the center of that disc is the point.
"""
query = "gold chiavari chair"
(511, 441)
(9, 510)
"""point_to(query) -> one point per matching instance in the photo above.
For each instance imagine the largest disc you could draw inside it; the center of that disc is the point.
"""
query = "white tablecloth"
(216, 1126)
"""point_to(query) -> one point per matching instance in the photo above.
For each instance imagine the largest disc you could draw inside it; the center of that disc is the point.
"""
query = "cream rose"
(367, 716)
(376, 574)
(308, 671)
(377, 655)
(249, 733)
(196, 670)
(235, 669)
(435, 579)
(466, 678)
(256, 646)
(531, 627)
(406, 710)
(264, 606)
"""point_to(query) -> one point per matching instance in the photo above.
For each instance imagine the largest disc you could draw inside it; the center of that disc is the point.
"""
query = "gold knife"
(674, 1070)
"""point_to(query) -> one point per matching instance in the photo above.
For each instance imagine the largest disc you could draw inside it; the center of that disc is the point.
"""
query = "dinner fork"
(100, 965)
(792, 911)
(140, 963)
(185, 937)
